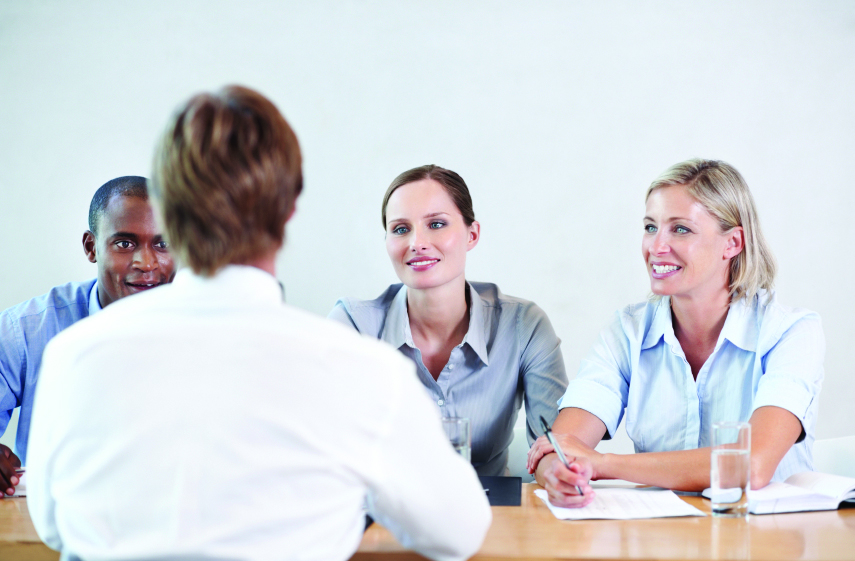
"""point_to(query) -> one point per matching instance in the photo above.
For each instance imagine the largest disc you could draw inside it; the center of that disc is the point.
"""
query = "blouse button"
(440, 402)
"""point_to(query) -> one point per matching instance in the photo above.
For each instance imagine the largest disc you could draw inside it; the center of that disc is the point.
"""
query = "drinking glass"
(457, 429)
(730, 468)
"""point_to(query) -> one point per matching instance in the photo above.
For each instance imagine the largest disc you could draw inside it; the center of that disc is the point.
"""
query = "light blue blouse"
(766, 354)
(509, 353)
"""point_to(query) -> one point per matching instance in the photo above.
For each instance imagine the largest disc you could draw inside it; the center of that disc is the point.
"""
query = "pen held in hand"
(548, 432)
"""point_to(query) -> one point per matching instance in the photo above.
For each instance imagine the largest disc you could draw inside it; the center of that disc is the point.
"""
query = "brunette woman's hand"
(570, 445)
(538, 450)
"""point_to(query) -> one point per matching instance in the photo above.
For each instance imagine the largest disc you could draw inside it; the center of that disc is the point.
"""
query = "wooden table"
(530, 531)
(18, 538)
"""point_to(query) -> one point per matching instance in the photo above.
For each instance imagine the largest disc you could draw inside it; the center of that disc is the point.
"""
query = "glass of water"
(457, 429)
(730, 468)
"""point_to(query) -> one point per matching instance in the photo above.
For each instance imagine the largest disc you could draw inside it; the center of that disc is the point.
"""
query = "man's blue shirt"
(25, 330)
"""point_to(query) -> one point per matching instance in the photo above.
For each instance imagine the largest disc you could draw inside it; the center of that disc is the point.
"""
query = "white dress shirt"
(766, 355)
(207, 419)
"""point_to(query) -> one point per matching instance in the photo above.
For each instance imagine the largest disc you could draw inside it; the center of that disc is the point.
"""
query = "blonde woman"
(712, 344)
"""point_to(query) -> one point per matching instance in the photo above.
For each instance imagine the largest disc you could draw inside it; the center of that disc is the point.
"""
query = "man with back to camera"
(126, 244)
(272, 425)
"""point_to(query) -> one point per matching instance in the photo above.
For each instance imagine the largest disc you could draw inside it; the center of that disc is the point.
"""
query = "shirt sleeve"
(339, 313)
(445, 520)
(12, 367)
(602, 385)
(541, 368)
(793, 370)
(47, 409)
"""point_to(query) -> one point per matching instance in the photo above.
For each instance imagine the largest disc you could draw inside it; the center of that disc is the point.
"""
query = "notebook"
(805, 491)
(809, 490)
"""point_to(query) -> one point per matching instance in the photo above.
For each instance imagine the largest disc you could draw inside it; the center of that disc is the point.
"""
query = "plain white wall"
(557, 114)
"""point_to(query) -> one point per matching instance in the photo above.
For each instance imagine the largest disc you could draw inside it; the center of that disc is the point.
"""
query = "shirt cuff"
(596, 400)
(790, 395)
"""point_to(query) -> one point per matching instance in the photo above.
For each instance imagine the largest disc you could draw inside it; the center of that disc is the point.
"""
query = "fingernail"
(14, 480)
(10, 491)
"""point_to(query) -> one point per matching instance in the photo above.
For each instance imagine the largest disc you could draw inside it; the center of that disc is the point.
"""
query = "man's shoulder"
(72, 297)
(302, 332)
(345, 356)
(332, 336)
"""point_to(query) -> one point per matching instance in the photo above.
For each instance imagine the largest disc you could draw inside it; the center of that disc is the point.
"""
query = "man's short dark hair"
(127, 186)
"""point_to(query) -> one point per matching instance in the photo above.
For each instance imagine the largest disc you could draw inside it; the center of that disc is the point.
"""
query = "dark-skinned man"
(125, 243)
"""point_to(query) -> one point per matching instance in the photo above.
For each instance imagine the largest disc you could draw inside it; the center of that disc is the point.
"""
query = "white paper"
(625, 504)
(828, 484)
(21, 488)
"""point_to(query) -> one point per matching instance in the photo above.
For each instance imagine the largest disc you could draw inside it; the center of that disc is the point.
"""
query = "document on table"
(625, 504)
(21, 488)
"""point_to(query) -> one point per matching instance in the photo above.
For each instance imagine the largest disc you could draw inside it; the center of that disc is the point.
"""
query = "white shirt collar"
(241, 282)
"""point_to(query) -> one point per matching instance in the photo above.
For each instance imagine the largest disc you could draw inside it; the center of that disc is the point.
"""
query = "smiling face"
(426, 236)
(685, 251)
(129, 250)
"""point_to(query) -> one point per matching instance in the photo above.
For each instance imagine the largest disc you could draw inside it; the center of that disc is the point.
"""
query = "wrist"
(602, 465)
(542, 466)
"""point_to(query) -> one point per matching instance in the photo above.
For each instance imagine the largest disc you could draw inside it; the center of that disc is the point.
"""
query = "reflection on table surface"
(18, 538)
(530, 531)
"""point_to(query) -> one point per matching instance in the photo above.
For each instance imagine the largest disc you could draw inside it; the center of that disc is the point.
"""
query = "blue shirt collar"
(740, 327)
(396, 330)
(94, 304)
(660, 325)
(476, 336)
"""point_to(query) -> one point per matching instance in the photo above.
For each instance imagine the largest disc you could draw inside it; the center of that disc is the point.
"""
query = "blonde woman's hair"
(722, 191)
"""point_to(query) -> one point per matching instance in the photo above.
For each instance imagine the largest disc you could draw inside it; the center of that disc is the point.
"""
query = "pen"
(548, 432)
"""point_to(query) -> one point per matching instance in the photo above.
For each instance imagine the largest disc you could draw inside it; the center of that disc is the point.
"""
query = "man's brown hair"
(227, 173)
